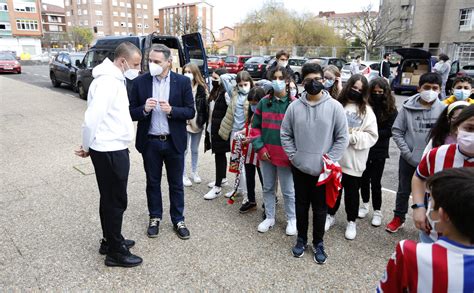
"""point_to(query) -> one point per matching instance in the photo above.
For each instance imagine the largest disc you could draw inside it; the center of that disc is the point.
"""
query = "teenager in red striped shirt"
(444, 157)
(446, 265)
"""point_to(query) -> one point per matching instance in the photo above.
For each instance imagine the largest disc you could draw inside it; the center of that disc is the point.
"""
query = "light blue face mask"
(278, 85)
(462, 95)
(328, 83)
(253, 108)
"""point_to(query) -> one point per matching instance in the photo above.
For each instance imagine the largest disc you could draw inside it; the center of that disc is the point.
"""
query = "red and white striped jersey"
(444, 157)
(443, 266)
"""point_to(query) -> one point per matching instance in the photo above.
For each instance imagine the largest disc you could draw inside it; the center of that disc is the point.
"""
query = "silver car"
(295, 64)
(370, 69)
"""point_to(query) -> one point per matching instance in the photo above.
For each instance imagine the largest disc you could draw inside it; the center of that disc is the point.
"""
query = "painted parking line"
(389, 190)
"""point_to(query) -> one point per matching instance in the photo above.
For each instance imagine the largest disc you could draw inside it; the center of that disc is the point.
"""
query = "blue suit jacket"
(182, 103)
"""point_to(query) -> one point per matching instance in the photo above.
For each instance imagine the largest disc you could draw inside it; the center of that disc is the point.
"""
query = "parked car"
(455, 71)
(414, 62)
(234, 64)
(63, 69)
(469, 70)
(215, 62)
(257, 66)
(295, 64)
(8, 63)
(370, 69)
(325, 61)
(189, 49)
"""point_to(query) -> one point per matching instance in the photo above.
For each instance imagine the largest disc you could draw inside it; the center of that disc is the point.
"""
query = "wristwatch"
(418, 205)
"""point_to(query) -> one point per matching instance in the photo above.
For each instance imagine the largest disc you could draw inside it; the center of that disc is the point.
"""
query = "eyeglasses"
(311, 79)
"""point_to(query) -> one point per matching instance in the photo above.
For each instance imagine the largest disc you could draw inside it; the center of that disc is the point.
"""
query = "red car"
(234, 64)
(215, 62)
(8, 63)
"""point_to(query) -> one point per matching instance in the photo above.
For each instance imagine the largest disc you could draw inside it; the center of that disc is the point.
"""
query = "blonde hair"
(333, 91)
(198, 79)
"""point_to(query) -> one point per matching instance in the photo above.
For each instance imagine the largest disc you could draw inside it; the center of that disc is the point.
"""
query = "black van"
(190, 49)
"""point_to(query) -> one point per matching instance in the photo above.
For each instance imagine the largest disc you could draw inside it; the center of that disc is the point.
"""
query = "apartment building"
(20, 26)
(187, 18)
(111, 17)
(342, 23)
(54, 26)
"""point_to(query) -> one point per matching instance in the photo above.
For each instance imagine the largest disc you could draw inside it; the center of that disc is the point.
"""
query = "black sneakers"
(122, 258)
(104, 246)
(181, 230)
(247, 207)
(153, 228)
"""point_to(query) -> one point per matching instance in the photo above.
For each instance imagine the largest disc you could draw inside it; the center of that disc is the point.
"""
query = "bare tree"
(374, 29)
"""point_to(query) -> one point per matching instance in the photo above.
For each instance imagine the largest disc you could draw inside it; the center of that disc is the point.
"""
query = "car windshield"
(256, 60)
(76, 57)
(7, 57)
(213, 59)
(231, 59)
(468, 67)
(320, 61)
(346, 67)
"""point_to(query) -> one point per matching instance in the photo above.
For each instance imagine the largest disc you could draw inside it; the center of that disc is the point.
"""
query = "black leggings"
(350, 185)
(221, 168)
(250, 176)
(371, 179)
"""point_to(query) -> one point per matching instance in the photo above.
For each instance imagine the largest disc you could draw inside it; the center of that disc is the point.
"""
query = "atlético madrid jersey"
(443, 266)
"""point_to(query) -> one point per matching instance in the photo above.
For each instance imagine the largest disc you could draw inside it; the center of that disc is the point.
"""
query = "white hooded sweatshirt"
(107, 124)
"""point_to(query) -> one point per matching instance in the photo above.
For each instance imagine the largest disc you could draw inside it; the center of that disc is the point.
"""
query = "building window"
(25, 6)
(139, 5)
(123, 33)
(145, 6)
(84, 1)
(100, 34)
(466, 20)
(130, 24)
(86, 22)
(117, 33)
(78, 2)
(5, 26)
(99, 23)
(53, 28)
(68, 13)
(26, 25)
(81, 23)
(98, 12)
(67, 3)
(3, 7)
(98, 2)
(122, 14)
(114, 3)
(129, 15)
(84, 12)
(69, 23)
(122, 4)
(115, 13)
(145, 16)
(79, 12)
(116, 23)
(129, 5)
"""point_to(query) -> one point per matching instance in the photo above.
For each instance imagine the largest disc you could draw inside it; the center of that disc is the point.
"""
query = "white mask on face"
(190, 76)
(283, 63)
(466, 141)
(429, 96)
(130, 73)
(428, 216)
(293, 92)
(155, 69)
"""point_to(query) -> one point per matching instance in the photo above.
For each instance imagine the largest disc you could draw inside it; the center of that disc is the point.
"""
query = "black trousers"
(371, 180)
(111, 171)
(306, 194)
(250, 177)
(221, 168)
(350, 185)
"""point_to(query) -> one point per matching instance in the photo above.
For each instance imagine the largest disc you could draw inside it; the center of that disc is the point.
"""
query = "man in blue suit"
(161, 101)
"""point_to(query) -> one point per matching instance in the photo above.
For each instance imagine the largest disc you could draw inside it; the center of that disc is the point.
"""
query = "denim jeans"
(194, 139)
(270, 173)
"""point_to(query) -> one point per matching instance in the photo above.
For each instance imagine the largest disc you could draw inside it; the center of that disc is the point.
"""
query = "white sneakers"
(330, 220)
(196, 178)
(291, 228)
(377, 219)
(213, 193)
(213, 183)
(363, 210)
(351, 231)
(187, 182)
(266, 225)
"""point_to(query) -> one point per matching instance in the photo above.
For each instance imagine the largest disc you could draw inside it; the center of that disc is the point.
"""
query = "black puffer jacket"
(380, 149)
(216, 143)
(202, 109)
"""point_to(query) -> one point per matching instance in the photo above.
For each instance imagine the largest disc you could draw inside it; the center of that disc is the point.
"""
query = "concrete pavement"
(50, 229)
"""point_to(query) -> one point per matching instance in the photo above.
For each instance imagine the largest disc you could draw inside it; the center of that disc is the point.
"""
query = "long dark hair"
(286, 78)
(217, 90)
(255, 94)
(344, 96)
(442, 127)
(388, 101)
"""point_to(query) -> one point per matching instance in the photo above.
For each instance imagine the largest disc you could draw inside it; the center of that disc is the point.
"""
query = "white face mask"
(130, 73)
(428, 216)
(429, 96)
(293, 92)
(466, 141)
(190, 76)
(244, 89)
(283, 63)
(155, 69)
(462, 95)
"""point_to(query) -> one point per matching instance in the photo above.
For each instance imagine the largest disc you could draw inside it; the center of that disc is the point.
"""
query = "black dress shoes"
(104, 246)
(122, 258)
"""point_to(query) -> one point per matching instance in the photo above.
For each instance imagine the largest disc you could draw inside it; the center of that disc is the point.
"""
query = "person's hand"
(81, 152)
(266, 157)
(150, 104)
(165, 107)
(419, 218)
(245, 141)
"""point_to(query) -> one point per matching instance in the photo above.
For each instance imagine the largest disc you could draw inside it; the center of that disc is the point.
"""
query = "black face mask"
(215, 83)
(313, 87)
(355, 95)
(377, 98)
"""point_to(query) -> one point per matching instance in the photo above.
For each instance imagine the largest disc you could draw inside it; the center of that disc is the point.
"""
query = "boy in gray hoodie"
(313, 126)
(410, 130)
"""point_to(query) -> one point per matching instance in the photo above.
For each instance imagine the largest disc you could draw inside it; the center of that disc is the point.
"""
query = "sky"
(227, 13)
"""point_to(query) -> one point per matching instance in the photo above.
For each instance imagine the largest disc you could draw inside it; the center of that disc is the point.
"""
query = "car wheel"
(73, 83)
(297, 78)
(54, 81)
(81, 91)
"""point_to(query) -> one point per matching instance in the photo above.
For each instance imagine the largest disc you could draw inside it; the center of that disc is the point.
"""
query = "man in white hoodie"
(106, 133)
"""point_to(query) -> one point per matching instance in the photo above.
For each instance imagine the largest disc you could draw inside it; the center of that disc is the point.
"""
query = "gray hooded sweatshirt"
(412, 126)
(310, 131)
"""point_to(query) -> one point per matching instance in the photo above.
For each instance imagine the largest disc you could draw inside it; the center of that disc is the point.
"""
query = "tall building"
(111, 17)
(187, 18)
(436, 25)
(20, 26)
(54, 26)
